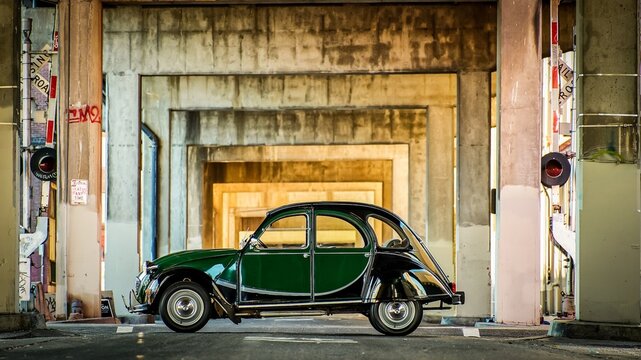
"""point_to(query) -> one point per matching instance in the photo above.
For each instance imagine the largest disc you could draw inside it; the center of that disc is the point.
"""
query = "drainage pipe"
(26, 124)
(154, 188)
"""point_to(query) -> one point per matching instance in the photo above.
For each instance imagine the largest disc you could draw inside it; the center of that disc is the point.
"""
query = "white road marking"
(124, 329)
(471, 332)
(300, 340)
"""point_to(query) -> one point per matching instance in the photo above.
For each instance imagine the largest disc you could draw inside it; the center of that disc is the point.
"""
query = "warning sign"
(79, 191)
(565, 92)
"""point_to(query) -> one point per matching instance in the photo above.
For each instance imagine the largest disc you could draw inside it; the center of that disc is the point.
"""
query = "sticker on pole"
(79, 191)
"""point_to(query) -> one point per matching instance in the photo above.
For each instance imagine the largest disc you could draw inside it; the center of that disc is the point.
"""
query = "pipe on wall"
(154, 188)
(26, 124)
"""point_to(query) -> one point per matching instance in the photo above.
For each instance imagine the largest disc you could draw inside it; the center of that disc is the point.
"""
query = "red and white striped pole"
(53, 93)
(555, 53)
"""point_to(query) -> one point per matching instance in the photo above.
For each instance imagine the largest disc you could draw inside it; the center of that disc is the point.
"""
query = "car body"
(315, 258)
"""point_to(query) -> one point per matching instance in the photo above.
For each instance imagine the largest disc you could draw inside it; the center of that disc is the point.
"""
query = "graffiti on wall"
(50, 299)
(83, 113)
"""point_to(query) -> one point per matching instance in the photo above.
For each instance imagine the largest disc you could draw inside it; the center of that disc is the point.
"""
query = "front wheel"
(185, 307)
(396, 317)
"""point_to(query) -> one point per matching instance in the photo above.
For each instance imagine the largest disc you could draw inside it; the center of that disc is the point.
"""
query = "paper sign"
(79, 191)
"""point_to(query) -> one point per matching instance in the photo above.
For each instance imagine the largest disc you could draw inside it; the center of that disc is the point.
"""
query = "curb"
(594, 330)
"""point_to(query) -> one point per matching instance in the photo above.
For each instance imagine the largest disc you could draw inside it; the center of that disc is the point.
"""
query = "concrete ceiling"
(275, 2)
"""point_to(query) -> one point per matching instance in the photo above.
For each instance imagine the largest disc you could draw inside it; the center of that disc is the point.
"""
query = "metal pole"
(26, 124)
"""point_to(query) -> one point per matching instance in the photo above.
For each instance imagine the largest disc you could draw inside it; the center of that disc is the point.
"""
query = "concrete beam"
(473, 194)
(300, 39)
(519, 236)
(79, 141)
(9, 180)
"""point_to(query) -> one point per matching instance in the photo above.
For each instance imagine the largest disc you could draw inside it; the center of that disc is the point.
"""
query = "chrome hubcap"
(397, 315)
(185, 307)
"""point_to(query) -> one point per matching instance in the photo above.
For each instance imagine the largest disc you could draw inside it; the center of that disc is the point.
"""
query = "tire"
(185, 307)
(396, 318)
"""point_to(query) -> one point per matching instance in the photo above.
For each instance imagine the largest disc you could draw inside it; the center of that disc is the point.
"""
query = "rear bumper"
(458, 298)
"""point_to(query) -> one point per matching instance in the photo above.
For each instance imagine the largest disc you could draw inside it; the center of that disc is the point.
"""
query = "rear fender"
(404, 286)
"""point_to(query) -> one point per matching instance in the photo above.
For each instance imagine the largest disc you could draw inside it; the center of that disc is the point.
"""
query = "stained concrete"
(256, 39)
(519, 210)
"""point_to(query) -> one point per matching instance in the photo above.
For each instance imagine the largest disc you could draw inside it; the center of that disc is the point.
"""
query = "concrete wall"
(608, 226)
(366, 49)
(321, 127)
(326, 92)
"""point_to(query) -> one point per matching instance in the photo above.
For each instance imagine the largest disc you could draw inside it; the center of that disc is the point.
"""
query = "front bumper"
(141, 309)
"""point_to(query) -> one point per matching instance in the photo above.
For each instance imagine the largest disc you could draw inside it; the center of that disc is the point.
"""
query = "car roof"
(358, 208)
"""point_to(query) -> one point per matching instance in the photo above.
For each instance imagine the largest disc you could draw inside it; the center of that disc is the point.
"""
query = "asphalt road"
(300, 338)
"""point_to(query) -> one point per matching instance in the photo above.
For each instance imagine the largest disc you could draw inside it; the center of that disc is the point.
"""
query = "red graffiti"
(84, 113)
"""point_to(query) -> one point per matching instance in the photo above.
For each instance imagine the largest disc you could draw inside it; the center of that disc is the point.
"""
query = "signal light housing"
(555, 169)
(44, 165)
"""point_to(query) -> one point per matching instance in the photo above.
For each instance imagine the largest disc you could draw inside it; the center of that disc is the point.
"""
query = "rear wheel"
(185, 307)
(396, 317)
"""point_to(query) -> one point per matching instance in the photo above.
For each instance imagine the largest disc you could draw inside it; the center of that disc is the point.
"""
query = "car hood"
(189, 256)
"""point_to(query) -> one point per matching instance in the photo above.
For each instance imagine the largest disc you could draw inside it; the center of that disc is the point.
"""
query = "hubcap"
(185, 307)
(397, 315)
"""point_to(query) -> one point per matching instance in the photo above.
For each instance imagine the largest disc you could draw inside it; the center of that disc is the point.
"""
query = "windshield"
(420, 248)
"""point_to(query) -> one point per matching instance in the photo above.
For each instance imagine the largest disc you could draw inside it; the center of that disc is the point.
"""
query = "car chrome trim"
(317, 303)
(269, 292)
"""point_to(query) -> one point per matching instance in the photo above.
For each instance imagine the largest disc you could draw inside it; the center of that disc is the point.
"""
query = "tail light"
(453, 286)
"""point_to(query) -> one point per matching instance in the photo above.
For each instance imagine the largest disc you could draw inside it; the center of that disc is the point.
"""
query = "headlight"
(149, 267)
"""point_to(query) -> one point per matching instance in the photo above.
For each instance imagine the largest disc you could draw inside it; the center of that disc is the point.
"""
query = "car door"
(279, 269)
(342, 253)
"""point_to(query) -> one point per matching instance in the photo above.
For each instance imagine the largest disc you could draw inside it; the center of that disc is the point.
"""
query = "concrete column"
(9, 183)
(519, 235)
(440, 186)
(79, 141)
(473, 200)
(608, 224)
(121, 244)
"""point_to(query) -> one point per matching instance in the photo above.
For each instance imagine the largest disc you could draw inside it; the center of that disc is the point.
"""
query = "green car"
(316, 258)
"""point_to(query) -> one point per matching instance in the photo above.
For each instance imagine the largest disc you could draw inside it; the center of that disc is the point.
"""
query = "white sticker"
(79, 191)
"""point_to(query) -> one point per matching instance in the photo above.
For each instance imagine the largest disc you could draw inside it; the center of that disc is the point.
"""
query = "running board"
(292, 313)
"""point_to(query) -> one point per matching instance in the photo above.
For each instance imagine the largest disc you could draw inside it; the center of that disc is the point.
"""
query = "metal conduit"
(154, 188)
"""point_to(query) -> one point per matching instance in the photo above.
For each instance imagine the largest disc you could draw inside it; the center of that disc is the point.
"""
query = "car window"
(287, 232)
(336, 232)
(387, 234)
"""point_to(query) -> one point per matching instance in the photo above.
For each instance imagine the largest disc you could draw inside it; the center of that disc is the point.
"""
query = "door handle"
(367, 254)
(305, 256)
